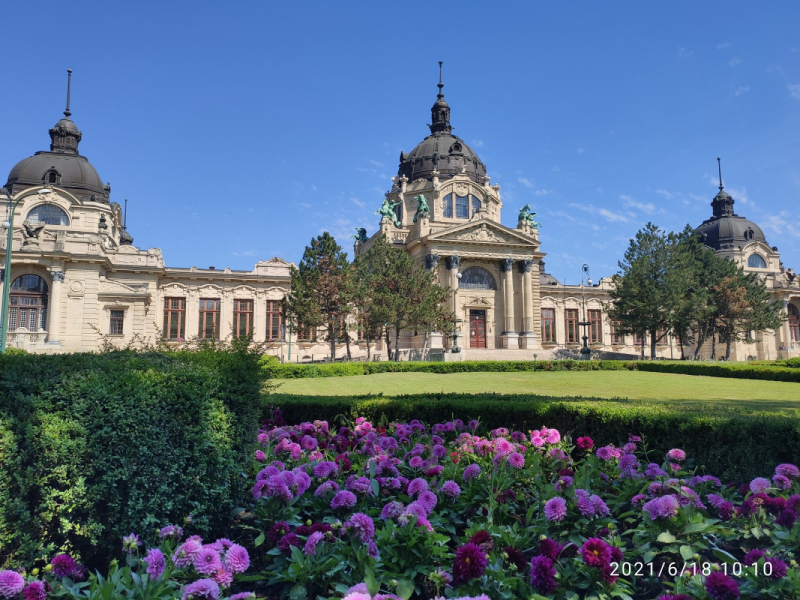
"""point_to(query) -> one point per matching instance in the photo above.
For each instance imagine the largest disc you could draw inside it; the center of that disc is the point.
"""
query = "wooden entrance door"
(477, 329)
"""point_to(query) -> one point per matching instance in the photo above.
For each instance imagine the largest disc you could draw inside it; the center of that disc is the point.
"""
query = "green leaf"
(666, 537)
(260, 539)
(375, 488)
(571, 596)
(696, 527)
(687, 552)
(724, 556)
(405, 588)
(298, 592)
(756, 532)
(372, 469)
(369, 578)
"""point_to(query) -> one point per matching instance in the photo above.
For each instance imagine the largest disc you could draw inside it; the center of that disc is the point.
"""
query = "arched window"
(28, 305)
(794, 323)
(448, 206)
(476, 278)
(756, 261)
(398, 211)
(47, 214)
(476, 205)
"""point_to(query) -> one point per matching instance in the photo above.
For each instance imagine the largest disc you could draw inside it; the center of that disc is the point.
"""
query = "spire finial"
(441, 85)
(719, 164)
(69, 81)
(125, 216)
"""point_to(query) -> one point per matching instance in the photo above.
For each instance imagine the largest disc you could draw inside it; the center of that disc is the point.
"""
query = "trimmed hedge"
(94, 446)
(731, 444)
(739, 371)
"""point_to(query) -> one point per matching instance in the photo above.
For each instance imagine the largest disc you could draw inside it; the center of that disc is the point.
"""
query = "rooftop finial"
(125, 216)
(719, 164)
(69, 81)
(441, 85)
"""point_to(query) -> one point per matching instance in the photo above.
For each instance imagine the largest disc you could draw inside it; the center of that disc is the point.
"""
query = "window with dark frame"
(242, 318)
(116, 321)
(794, 323)
(662, 336)
(28, 303)
(616, 336)
(448, 206)
(208, 327)
(273, 320)
(571, 322)
(175, 319)
(306, 334)
(595, 327)
(548, 325)
(462, 207)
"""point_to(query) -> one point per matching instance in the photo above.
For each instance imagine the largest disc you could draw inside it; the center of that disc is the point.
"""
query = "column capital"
(58, 276)
(525, 265)
(506, 265)
(432, 261)
(453, 261)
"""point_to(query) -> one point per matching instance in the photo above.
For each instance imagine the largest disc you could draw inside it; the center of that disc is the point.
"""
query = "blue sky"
(239, 131)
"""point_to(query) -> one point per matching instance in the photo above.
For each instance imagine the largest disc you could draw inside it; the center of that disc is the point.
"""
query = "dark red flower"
(596, 553)
(721, 587)
(585, 443)
(288, 541)
(549, 548)
(516, 558)
(454, 457)
(483, 539)
(469, 563)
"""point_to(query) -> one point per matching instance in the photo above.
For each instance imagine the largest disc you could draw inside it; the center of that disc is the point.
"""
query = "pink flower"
(11, 583)
(237, 559)
(555, 509)
(35, 591)
(207, 561)
(156, 563)
(203, 589)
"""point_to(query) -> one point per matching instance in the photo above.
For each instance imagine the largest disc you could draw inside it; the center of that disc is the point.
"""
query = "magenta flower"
(471, 472)
(203, 589)
(35, 591)
(759, 484)
(362, 527)
(788, 470)
(596, 553)
(156, 563)
(781, 482)
(260, 456)
(451, 489)
(237, 559)
(343, 499)
(721, 587)
(184, 555)
(392, 510)
(63, 565)
(585, 443)
(543, 574)
(315, 538)
(417, 485)
(206, 561)
(676, 455)
(516, 460)
(555, 509)
(11, 583)
(468, 564)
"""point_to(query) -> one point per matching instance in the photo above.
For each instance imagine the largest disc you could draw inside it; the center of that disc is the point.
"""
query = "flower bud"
(35, 572)
(48, 568)
(309, 522)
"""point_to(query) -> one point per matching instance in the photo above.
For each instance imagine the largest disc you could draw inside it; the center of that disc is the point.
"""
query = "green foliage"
(93, 446)
(727, 443)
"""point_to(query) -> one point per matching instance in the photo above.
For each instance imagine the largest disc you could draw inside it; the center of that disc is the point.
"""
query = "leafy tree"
(319, 288)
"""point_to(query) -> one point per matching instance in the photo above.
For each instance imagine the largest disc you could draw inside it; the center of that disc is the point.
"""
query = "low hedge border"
(744, 371)
(730, 443)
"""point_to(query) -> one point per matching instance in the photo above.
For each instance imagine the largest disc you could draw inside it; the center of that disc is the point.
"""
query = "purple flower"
(638, 499)
(555, 509)
(242, 596)
(608, 453)
(721, 587)
(130, 543)
(392, 510)
(788, 470)
(451, 489)
(325, 469)
(786, 518)
(171, 531)
(662, 508)
(343, 499)
(600, 508)
(473, 425)
(372, 550)
(417, 485)
(471, 472)
(63, 565)
(156, 563)
(260, 456)
(185, 553)
(516, 460)
(11, 583)
(628, 466)
(585, 506)
(362, 527)
(360, 485)
(759, 484)
(206, 561)
(428, 500)
(468, 564)
(311, 545)
(676, 455)
(203, 589)
(237, 559)
(35, 591)
(653, 471)
(325, 487)
(781, 482)
(778, 568)
(286, 542)
(596, 553)
(543, 574)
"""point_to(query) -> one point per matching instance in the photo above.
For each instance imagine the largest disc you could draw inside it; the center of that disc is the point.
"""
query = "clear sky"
(240, 130)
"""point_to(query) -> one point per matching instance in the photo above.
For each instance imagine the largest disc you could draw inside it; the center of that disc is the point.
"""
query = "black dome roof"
(725, 229)
(441, 151)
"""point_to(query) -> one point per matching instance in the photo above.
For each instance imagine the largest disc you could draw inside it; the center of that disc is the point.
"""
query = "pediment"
(482, 231)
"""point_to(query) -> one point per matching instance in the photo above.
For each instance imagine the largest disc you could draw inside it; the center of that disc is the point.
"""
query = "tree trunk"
(388, 343)
(332, 338)
(644, 335)
(347, 344)
(652, 345)
(397, 344)
(369, 356)
(728, 346)
(714, 339)
(680, 343)
(424, 346)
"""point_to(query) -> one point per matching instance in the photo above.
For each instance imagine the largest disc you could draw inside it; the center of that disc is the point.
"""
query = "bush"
(734, 370)
(93, 446)
(727, 442)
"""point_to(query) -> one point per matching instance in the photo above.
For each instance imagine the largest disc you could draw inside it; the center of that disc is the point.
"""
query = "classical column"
(54, 323)
(527, 337)
(436, 340)
(508, 337)
(453, 262)
(226, 315)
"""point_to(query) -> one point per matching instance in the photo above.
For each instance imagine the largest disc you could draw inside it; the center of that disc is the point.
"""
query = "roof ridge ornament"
(440, 111)
(67, 113)
(719, 164)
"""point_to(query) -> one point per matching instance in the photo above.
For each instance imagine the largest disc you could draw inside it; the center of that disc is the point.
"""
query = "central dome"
(441, 151)
(726, 230)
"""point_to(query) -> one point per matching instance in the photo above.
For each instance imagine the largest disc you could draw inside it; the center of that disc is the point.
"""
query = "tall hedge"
(95, 446)
(729, 443)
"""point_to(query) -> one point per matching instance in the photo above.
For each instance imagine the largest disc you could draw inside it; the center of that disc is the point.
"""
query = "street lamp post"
(9, 225)
(586, 352)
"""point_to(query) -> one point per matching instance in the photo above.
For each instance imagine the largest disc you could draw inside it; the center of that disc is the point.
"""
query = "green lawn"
(745, 393)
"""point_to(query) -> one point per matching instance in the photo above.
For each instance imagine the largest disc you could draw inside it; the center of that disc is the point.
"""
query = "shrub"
(729, 443)
(93, 446)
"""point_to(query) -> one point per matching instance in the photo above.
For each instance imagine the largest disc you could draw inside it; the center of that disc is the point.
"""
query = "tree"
(647, 288)
(318, 295)
(400, 293)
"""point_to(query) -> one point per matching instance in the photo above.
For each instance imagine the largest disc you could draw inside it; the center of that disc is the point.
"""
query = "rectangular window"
(616, 336)
(571, 318)
(273, 320)
(638, 338)
(209, 319)
(662, 336)
(595, 327)
(12, 318)
(447, 212)
(242, 318)
(175, 318)
(462, 207)
(306, 334)
(115, 324)
(548, 325)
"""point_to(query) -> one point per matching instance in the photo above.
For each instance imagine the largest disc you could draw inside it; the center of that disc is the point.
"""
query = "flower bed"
(406, 509)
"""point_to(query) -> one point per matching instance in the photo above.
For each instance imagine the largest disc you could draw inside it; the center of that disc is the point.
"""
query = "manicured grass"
(744, 393)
